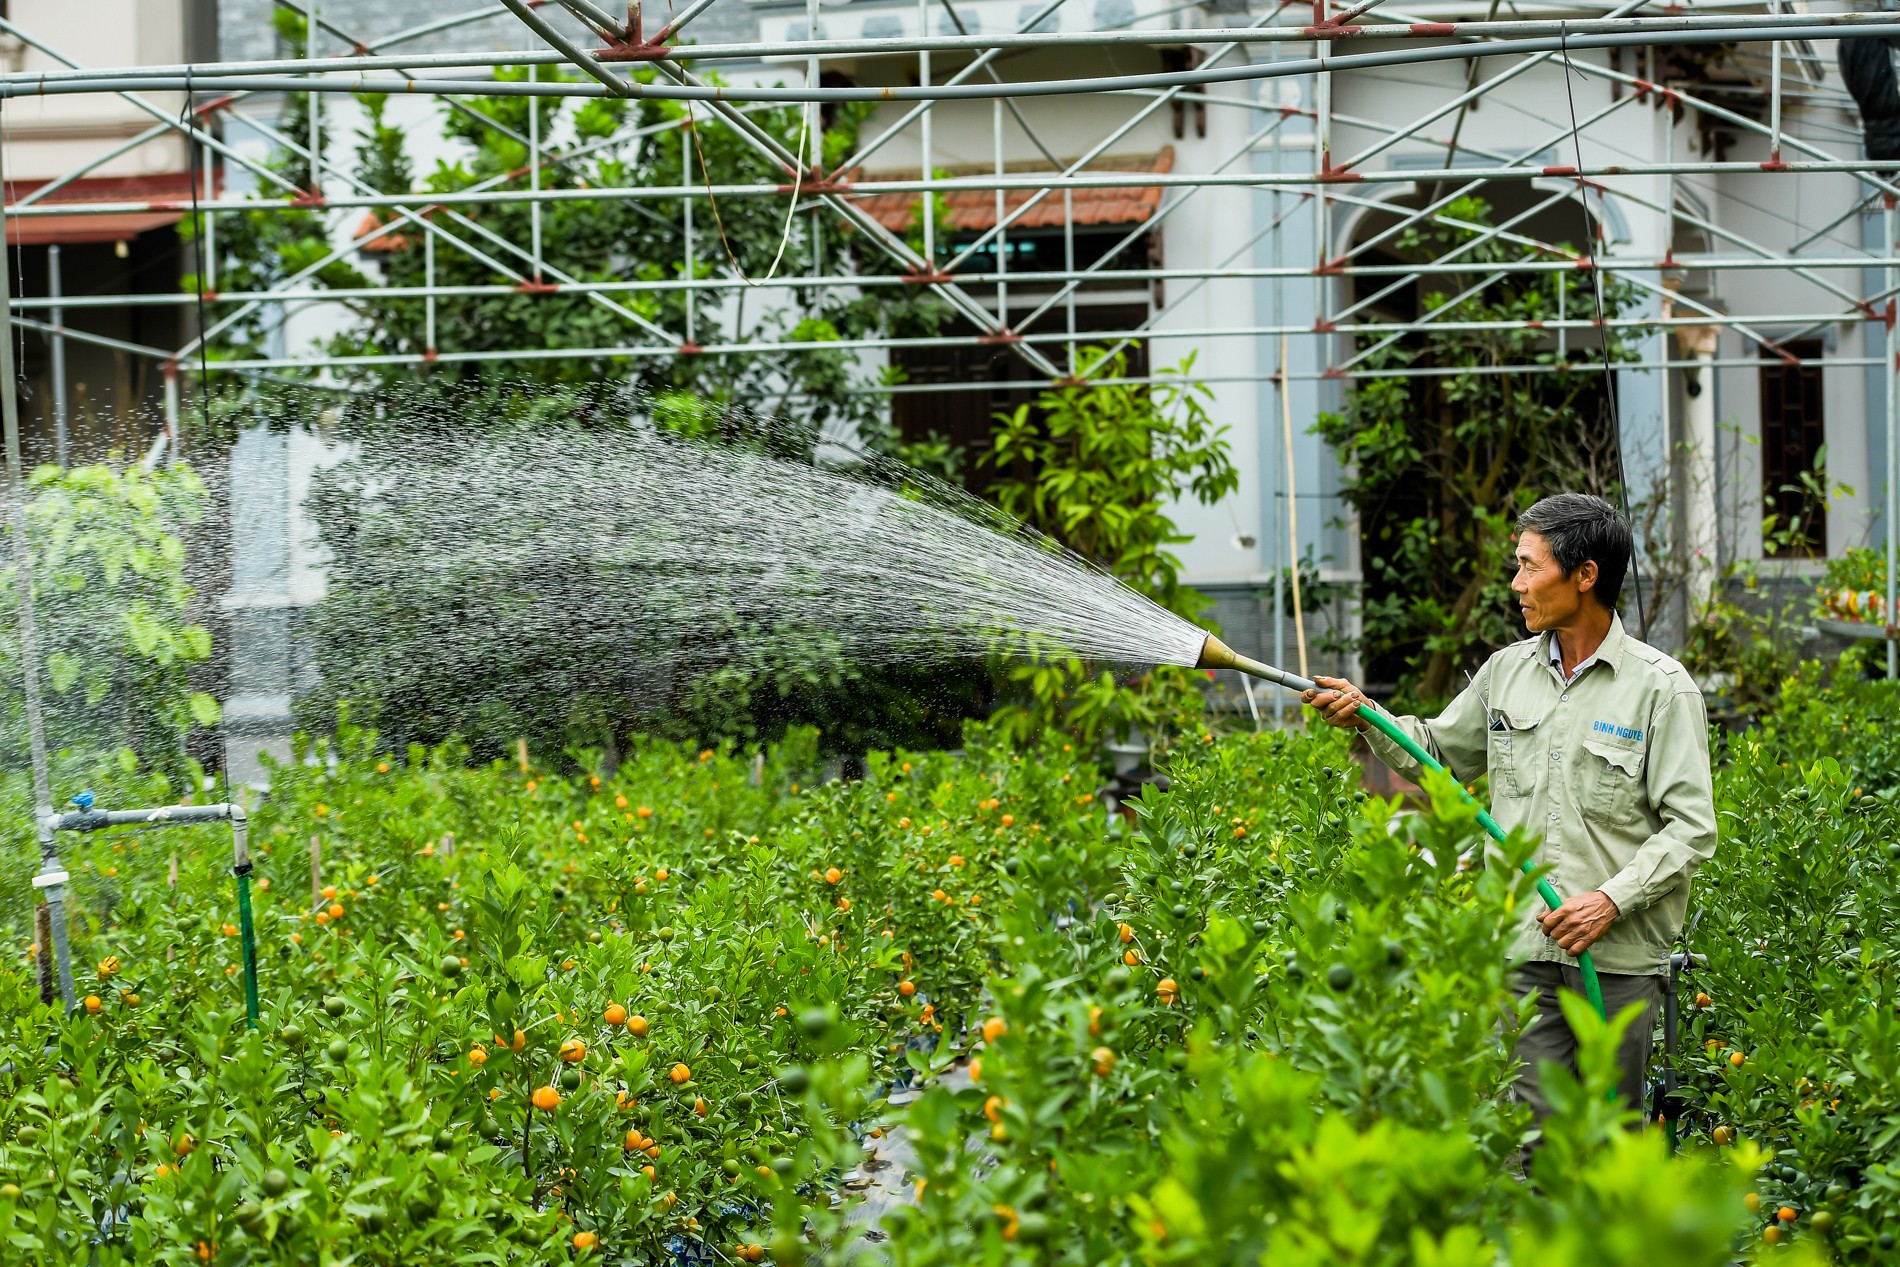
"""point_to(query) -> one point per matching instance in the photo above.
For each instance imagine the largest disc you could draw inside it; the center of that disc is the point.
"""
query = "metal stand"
(51, 882)
(1664, 1106)
(88, 819)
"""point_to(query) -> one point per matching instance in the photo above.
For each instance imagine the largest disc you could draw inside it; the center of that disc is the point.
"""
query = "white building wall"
(49, 136)
(1779, 211)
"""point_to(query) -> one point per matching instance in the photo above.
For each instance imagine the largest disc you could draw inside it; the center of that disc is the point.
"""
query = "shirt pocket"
(1512, 757)
(1611, 782)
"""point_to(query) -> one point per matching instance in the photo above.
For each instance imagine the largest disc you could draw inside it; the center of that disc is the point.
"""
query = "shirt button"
(1553, 818)
(1563, 699)
(1556, 756)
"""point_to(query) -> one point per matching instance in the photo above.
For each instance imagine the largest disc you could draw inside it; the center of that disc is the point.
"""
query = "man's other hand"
(1578, 923)
(1338, 703)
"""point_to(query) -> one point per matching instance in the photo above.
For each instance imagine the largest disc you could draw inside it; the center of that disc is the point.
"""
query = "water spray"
(1216, 654)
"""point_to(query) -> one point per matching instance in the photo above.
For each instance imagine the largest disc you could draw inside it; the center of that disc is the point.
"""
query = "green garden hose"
(250, 948)
(1217, 655)
(241, 867)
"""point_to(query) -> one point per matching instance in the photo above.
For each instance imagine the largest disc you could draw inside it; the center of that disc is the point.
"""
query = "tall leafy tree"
(1094, 466)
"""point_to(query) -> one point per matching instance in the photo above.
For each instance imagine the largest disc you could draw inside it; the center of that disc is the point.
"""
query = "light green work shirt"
(1611, 768)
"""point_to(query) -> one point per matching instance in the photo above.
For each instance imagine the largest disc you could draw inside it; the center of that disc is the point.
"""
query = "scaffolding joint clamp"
(644, 51)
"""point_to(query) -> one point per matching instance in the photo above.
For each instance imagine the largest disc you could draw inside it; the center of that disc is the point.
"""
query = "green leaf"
(204, 709)
(62, 670)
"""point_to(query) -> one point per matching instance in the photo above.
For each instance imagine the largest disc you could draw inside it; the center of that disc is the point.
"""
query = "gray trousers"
(1547, 1036)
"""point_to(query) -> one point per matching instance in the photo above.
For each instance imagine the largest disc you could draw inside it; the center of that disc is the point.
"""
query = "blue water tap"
(84, 799)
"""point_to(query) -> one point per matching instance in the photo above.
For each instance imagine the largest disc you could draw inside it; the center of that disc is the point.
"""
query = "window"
(987, 379)
(1793, 431)
(1045, 251)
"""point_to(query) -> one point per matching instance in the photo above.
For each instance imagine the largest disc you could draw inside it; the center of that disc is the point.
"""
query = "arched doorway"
(1489, 393)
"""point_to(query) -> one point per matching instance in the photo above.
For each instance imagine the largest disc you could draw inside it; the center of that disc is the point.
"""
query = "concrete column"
(258, 607)
(1701, 532)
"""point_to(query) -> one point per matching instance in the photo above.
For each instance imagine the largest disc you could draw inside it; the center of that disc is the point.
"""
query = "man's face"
(1548, 598)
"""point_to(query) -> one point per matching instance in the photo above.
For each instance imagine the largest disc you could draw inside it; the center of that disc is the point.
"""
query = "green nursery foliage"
(1095, 465)
(665, 1013)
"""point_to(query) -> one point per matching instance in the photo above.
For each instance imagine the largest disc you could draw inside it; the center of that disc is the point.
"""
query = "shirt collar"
(1610, 650)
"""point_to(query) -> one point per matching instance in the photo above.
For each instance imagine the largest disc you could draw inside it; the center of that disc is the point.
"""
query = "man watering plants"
(1598, 743)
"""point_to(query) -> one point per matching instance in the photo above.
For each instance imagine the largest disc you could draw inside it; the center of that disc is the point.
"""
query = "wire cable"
(791, 209)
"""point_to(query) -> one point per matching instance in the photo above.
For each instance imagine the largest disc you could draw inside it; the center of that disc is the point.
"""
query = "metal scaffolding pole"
(1891, 372)
(1644, 33)
(56, 315)
(1489, 38)
(50, 880)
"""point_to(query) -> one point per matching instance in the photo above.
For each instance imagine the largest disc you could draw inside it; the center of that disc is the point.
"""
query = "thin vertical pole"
(1774, 100)
(1669, 182)
(171, 410)
(534, 174)
(428, 300)
(1002, 234)
(208, 265)
(316, 870)
(1563, 291)
(51, 879)
(1270, 459)
(1323, 237)
(930, 201)
(814, 117)
(1893, 459)
(1323, 138)
(57, 316)
(1681, 457)
(1665, 409)
(686, 202)
(1068, 266)
(316, 105)
(814, 147)
(1292, 508)
(42, 949)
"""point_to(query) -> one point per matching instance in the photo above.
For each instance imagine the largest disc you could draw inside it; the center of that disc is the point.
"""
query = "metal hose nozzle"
(1216, 654)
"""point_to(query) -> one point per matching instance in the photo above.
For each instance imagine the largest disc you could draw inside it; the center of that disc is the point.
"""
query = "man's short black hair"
(1583, 528)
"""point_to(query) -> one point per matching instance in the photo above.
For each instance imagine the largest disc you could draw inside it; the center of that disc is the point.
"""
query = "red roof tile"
(159, 187)
(973, 210)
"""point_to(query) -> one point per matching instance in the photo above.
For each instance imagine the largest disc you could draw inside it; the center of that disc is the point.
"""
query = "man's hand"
(1577, 924)
(1338, 704)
